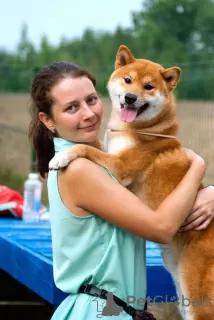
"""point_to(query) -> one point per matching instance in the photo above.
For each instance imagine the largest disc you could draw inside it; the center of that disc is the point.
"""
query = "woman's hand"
(202, 212)
(196, 161)
(193, 157)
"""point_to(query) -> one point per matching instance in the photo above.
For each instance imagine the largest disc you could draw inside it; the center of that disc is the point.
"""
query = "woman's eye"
(72, 108)
(92, 100)
(148, 87)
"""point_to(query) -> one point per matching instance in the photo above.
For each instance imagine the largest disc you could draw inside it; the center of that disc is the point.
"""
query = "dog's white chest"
(119, 143)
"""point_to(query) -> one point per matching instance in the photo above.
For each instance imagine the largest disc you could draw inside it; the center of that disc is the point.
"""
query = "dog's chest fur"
(116, 143)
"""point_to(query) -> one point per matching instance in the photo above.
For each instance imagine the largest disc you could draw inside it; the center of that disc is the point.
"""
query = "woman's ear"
(45, 119)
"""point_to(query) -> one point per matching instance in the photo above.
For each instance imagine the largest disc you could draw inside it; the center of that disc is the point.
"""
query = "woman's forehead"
(70, 89)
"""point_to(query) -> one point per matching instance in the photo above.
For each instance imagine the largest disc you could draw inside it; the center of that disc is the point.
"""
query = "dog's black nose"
(130, 98)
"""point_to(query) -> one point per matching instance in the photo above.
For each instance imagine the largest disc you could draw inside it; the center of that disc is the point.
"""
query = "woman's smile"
(90, 127)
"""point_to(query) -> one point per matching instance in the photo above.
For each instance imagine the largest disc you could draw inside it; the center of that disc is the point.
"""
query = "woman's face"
(76, 110)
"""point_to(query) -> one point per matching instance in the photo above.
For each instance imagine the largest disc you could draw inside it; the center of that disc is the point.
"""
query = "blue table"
(26, 254)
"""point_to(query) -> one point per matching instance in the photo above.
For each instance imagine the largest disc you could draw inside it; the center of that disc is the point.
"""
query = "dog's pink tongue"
(128, 114)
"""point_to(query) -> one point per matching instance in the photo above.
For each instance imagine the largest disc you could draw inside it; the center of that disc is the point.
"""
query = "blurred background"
(170, 32)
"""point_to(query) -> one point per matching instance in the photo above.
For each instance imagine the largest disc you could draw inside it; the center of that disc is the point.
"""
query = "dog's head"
(140, 90)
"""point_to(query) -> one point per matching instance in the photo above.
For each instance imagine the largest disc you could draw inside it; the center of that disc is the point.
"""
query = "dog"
(142, 152)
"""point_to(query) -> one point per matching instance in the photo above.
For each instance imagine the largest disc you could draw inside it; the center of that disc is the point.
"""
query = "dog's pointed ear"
(123, 57)
(171, 76)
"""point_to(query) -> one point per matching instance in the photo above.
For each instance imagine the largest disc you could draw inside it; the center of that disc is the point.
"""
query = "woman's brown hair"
(40, 136)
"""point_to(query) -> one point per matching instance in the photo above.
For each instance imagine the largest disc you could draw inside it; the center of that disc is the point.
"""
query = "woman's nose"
(87, 112)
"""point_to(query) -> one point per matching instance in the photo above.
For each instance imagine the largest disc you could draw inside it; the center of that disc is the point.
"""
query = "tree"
(179, 32)
(171, 32)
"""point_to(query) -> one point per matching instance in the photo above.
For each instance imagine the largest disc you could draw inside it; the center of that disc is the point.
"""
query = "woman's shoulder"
(82, 169)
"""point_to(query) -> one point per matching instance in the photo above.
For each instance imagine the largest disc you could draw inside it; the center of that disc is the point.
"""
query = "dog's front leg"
(114, 163)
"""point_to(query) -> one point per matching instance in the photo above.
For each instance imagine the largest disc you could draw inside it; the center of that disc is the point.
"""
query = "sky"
(57, 18)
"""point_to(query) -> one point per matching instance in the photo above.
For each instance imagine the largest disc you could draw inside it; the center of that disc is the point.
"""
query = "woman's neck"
(96, 144)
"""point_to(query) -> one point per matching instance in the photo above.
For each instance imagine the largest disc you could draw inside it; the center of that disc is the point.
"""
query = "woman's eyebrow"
(76, 101)
(70, 102)
(91, 94)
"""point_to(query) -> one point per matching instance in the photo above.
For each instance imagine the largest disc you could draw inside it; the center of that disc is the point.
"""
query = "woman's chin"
(90, 136)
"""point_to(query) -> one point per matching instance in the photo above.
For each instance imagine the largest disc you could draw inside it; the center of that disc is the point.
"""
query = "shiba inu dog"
(142, 152)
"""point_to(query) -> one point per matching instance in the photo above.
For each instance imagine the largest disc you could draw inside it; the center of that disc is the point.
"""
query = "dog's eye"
(148, 87)
(127, 80)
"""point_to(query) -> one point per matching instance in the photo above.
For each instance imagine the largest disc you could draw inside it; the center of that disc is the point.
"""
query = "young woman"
(98, 227)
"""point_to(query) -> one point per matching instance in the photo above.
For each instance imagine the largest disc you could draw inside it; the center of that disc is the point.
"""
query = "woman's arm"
(93, 190)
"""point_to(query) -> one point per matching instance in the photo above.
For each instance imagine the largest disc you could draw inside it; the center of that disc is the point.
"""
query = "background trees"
(171, 32)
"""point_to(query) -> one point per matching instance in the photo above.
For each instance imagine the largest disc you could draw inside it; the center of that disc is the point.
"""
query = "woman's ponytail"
(42, 141)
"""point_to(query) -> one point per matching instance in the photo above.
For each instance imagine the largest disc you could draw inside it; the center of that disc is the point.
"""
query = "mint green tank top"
(90, 250)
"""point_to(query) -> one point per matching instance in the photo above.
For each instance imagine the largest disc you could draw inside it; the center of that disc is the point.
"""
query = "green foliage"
(170, 32)
(12, 180)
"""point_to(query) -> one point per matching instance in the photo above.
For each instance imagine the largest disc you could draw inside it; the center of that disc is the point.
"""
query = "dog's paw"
(61, 160)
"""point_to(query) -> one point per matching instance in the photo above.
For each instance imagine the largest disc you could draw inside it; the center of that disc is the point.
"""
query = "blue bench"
(26, 255)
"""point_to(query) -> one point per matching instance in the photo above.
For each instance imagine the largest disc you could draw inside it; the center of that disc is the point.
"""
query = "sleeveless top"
(90, 250)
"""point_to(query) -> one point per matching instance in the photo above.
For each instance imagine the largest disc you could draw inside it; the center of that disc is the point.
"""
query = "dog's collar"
(145, 133)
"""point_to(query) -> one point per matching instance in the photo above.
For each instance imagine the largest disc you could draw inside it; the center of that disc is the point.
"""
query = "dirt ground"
(196, 132)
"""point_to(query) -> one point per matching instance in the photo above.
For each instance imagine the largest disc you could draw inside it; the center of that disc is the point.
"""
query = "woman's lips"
(90, 128)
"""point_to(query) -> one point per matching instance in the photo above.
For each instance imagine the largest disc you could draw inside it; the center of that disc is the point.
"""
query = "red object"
(11, 202)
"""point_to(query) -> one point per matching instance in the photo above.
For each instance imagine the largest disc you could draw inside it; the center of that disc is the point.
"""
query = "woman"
(98, 227)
